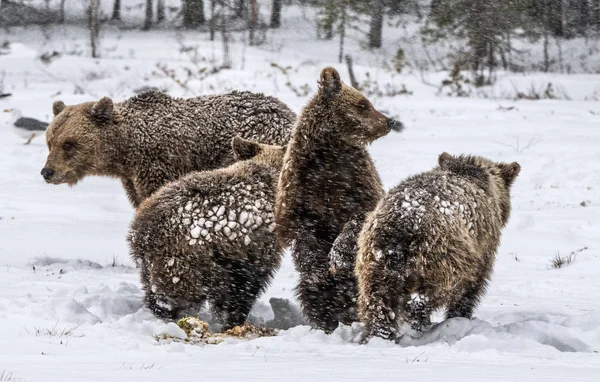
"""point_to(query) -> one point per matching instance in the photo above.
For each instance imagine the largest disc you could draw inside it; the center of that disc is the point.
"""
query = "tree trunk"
(160, 11)
(240, 8)
(509, 50)
(276, 14)
(193, 13)
(213, 22)
(376, 24)
(62, 11)
(253, 24)
(342, 33)
(94, 24)
(149, 14)
(116, 15)
(596, 22)
(560, 56)
(584, 17)
(353, 80)
(225, 38)
(563, 17)
(546, 56)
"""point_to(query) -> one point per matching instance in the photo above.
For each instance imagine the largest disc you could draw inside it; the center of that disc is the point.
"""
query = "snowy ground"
(67, 313)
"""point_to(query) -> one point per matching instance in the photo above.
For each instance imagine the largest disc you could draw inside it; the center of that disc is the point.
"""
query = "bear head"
(74, 140)
(267, 155)
(349, 112)
(496, 178)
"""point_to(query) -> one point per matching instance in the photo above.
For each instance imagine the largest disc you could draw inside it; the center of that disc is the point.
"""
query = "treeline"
(488, 27)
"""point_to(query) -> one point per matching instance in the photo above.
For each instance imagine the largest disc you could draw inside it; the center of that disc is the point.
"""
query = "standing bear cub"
(209, 237)
(432, 242)
(327, 186)
(152, 138)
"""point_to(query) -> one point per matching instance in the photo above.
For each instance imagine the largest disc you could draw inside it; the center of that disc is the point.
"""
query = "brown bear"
(209, 237)
(431, 242)
(152, 138)
(328, 181)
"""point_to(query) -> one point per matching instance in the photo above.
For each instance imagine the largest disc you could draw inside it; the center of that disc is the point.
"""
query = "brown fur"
(209, 236)
(328, 179)
(431, 242)
(153, 138)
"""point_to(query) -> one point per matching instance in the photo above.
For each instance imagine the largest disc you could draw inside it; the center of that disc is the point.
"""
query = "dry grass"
(6, 375)
(53, 331)
(560, 261)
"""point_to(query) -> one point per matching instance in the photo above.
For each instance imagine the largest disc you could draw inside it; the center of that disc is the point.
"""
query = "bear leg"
(316, 289)
(246, 283)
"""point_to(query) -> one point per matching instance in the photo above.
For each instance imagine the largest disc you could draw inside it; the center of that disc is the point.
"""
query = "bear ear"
(330, 83)
(244, 149)
(444, 160)
(102, 111)
(57, 107)
(509, 171)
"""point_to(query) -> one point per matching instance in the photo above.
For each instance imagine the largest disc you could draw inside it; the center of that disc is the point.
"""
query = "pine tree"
(276, 14)
(595, 9)
(149, 15)
(193, 13)
(240, 8)
(484, 24)
(94, 25)
(160, 11)
(376, 29)
(116, 14)
(62, 11)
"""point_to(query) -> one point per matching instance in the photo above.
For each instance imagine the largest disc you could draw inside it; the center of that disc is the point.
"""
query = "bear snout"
(47, 173)
(394, 125)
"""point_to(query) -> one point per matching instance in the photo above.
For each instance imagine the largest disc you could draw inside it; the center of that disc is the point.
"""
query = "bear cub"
(431, 242)
(327, 186)
(209, 237)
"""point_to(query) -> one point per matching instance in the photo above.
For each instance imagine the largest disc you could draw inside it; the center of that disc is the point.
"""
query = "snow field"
(74, 320)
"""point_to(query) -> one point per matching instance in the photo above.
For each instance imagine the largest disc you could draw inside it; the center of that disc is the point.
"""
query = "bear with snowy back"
(431, 243)
(152, 138)
(328, 183)
(209, 237)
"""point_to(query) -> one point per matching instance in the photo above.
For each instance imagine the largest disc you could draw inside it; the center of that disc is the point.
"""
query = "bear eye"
(68, 146)
(363, 105)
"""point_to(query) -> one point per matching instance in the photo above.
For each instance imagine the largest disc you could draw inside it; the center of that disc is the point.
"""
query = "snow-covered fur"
(209, 236)
(152, 138)
(431, 242)
(328, 179)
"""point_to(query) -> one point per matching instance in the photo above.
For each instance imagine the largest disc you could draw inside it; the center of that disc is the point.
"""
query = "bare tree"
(94, 24)
(62, 11)
(253, 24)
(377, 8)
(149, 14)
(193, 13)
(160, 11)
(342, 30)
(116, 14)
(212, 24)
(276, 14)
(225, 36)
